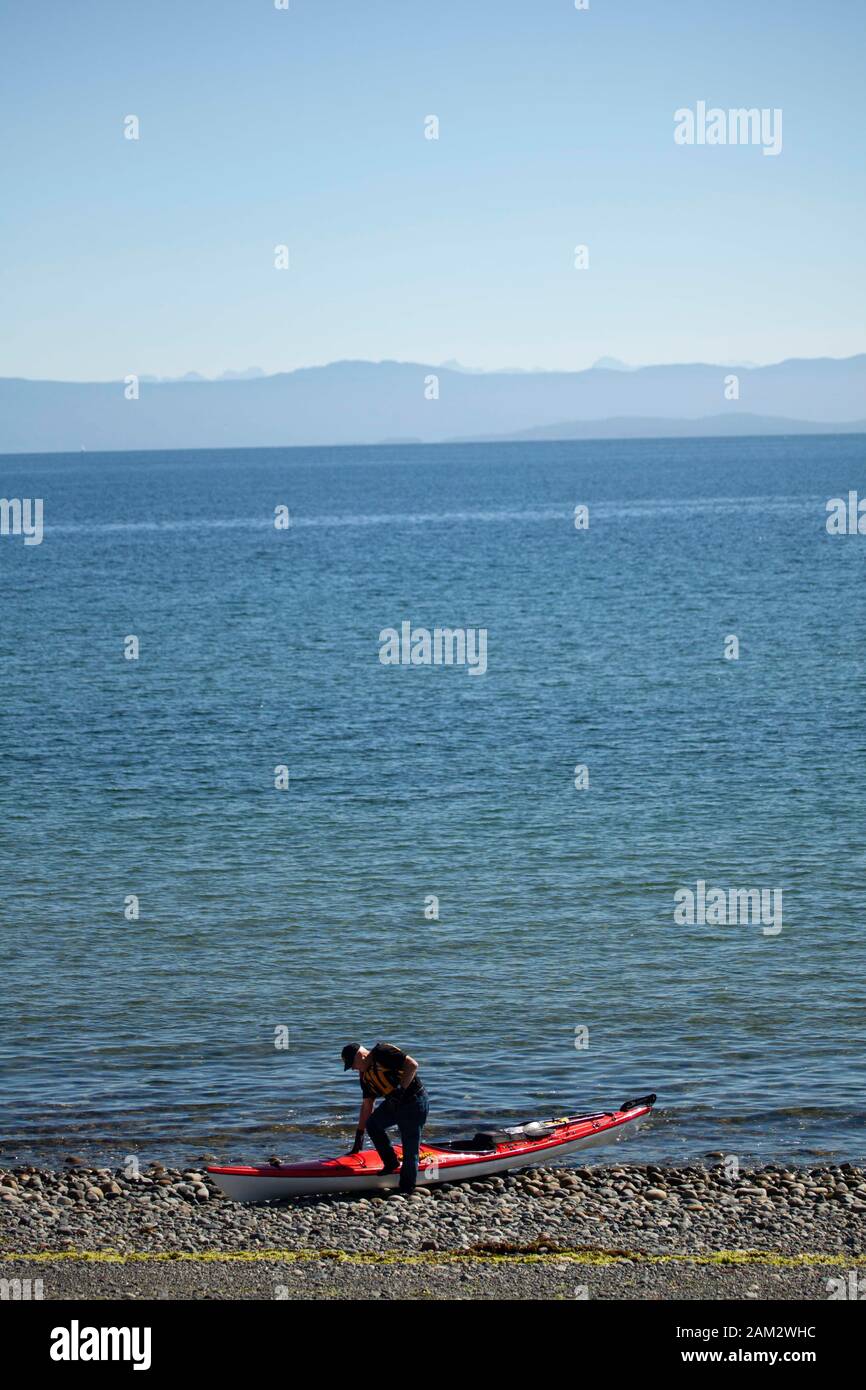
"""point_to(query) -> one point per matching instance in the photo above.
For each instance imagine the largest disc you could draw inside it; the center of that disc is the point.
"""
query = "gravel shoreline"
(626, 1231)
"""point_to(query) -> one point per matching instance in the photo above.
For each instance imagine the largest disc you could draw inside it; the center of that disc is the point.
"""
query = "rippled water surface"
(305, 909)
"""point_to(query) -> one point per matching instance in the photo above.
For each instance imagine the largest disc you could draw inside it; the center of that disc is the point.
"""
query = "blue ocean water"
(304, 909)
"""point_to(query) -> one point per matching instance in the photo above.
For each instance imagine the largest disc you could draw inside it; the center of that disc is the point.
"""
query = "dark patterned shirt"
(381, 1074)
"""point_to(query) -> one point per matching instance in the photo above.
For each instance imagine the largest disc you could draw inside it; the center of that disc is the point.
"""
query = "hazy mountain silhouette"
(647, 427)
(613, 364)
(366, 402)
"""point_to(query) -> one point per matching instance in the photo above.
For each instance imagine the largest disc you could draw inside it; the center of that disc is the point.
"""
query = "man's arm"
(363, 1116)
(407, 1073)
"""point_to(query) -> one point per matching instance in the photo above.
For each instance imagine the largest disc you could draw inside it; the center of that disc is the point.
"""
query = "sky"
(305, 127)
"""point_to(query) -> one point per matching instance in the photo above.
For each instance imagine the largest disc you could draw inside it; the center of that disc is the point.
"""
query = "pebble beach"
(609, 1232)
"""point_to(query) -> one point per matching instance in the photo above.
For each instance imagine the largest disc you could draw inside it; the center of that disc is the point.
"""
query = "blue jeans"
(410, 1118)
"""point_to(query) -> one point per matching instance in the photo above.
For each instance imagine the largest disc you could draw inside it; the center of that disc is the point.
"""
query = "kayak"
(453, 1160)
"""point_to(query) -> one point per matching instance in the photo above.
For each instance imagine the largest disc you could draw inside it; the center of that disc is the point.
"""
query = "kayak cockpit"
(479, 1143)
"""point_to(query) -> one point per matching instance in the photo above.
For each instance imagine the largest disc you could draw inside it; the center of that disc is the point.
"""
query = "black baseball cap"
(349, 1053)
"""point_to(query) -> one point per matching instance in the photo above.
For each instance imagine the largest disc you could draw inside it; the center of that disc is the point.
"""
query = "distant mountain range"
(372, 402)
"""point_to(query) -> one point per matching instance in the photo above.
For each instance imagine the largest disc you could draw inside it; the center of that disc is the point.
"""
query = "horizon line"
(479, 441)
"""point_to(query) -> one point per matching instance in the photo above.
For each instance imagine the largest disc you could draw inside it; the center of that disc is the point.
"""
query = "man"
(393, 1075)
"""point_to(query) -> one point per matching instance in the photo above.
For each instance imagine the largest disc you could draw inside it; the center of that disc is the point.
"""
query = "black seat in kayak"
(483, 1142)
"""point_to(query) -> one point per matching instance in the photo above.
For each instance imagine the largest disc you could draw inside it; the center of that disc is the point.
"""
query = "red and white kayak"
(453, 1160)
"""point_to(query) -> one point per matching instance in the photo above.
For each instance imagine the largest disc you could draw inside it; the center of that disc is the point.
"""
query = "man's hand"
(359, 1142)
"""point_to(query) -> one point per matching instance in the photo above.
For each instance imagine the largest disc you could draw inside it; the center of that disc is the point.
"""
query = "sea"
(237, 834)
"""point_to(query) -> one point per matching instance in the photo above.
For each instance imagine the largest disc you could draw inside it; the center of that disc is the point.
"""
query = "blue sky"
(261, 126)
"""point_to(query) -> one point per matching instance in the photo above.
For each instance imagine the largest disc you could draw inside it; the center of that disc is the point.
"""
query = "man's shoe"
(391, 1168)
